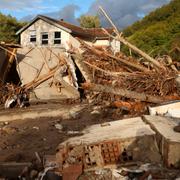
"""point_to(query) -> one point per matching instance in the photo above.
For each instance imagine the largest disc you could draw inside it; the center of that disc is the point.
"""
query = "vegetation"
(89, 21)
(159, 32)
(8, 27)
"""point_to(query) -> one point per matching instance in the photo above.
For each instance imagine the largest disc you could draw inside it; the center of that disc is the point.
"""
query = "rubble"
(171, 109)
(168, 140)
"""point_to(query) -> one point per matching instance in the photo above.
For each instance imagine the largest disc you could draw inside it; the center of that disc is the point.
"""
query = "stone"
(95, 112)
(58, 126)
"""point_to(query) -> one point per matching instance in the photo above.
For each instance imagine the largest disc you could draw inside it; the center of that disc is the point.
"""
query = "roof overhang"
(44, 19)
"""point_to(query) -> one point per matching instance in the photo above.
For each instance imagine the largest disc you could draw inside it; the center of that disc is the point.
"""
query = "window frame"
(44, 41)
(33, 37)
(56, 39)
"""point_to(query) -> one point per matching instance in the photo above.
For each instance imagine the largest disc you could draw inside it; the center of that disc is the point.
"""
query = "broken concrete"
(171, 109)
(168, 140)
(117, 142)
(37, 112)
(40, 61)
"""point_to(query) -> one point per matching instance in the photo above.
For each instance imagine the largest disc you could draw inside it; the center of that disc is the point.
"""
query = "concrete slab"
(114, 142)
(120, 129)
(33, 112)
(168, 139)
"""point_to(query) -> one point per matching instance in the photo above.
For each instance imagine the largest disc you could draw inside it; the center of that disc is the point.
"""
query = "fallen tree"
(126, 93)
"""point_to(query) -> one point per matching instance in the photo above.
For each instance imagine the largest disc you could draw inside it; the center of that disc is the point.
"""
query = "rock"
(58, 126)
(95, 112)
(73, 132)
(35, 127)
(6, 123)
(73, 114)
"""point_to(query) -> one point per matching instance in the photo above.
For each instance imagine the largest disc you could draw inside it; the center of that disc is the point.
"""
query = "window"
(57, 37)
(33, 36)
(44, 38)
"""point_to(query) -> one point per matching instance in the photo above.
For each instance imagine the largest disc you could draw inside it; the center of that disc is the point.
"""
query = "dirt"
(20, 139)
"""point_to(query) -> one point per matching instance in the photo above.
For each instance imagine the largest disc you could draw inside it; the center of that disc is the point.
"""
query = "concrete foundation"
(168, 140)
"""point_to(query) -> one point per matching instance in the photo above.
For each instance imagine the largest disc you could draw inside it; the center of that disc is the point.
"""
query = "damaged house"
(44, 55)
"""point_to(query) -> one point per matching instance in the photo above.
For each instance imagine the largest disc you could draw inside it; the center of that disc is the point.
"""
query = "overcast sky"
(123, 12)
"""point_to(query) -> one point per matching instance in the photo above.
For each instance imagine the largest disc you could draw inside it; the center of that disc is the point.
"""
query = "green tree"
(89, 21)
(159, 32)
(8, 28)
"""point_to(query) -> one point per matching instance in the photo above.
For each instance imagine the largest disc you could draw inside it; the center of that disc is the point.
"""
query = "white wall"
(29, 64)
(42, 26)
(115, 45)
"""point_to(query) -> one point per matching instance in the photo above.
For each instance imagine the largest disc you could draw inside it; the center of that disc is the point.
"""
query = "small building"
(45, 31)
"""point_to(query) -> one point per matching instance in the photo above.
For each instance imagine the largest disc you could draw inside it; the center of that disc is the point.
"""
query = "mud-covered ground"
(20, 139)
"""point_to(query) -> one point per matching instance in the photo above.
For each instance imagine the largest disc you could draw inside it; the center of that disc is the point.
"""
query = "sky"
(122, 12)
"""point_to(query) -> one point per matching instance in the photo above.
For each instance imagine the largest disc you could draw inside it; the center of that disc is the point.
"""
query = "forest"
(8, 28)
(159, 32)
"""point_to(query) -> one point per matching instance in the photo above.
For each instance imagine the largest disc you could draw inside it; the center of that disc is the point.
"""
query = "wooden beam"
(131, 46)
(125, 93)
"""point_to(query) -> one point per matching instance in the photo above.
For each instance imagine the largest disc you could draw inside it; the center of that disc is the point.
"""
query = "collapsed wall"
(35, 63)
(112, 143)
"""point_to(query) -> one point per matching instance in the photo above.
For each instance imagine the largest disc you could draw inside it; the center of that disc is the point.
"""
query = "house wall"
(102, 43)
(42, 26)
(41, 59)
(115, 45)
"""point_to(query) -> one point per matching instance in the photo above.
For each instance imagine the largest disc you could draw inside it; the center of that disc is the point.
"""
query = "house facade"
(44, 31)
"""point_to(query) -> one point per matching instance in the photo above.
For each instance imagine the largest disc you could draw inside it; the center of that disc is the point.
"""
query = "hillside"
(159, 32)
(8, 28)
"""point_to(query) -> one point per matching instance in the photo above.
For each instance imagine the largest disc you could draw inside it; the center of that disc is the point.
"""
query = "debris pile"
(117, 77)
(121, 78)
(12, 95)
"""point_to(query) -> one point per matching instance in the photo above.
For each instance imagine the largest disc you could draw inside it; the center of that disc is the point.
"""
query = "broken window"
(33, 36)
(57, 37)
(44, 37)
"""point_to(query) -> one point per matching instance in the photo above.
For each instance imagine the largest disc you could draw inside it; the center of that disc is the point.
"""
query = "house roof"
(70, 28)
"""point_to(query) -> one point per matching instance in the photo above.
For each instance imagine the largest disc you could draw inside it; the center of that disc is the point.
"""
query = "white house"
(45, 31)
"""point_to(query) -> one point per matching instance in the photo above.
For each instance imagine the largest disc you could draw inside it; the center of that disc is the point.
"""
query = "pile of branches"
(109, 71)
(120, 76)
